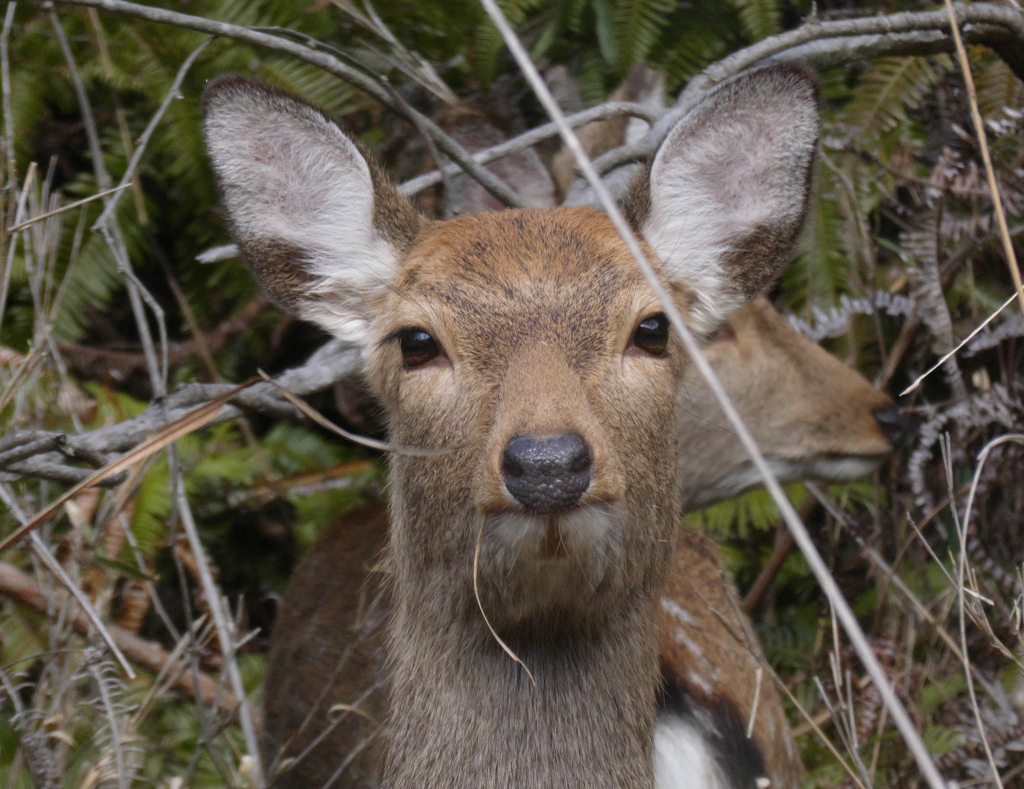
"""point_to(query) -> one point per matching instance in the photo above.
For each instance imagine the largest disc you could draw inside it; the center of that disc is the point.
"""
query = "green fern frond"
(998, 90)
(754, 510)
(152, 507)
(884, 96)
(638, 27)
(590, 79)
(761, 18)
(818, 276)
(313, 84)
(694, 38)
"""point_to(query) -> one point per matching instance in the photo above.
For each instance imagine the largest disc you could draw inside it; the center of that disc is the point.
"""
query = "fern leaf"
(761, 18)
(639, 24)
(885, 94)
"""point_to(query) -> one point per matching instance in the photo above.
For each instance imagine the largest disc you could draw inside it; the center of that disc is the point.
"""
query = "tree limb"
(821, 45)
(1010, 19)
(18, 586)
(330, 364)
(328, 63)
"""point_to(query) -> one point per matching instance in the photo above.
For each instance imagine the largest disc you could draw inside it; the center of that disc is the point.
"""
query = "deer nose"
(547, 473)
(893, 422)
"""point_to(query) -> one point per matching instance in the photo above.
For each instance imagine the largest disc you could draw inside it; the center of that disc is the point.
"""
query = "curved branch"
(332, 363)
(20, 587)
(813, 30)
(602, 112)
(821, 45)
(328, 63)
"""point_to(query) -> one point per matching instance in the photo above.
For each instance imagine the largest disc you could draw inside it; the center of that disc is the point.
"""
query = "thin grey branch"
(602, 112)
(332, 363)
(5, 84)
(328, 63)
(140, 148)
(821, 45)
(43, 553)
(968, 16)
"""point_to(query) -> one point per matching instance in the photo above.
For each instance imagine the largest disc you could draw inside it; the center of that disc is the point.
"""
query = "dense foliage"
(901, 259)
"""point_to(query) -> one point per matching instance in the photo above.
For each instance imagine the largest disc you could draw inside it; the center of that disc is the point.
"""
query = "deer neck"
(465, 714)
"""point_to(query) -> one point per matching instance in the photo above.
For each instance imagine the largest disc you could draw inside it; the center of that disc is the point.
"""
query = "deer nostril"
(893, 423)
(547, 473)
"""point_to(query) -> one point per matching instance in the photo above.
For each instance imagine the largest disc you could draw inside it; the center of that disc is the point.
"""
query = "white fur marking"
(290, 175)
(746, 476)
(584, 532)
(698, 680)
(682, 759)
(676, 610)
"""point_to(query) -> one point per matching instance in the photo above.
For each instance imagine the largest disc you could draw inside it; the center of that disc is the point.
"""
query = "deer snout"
(893, 422)
(547, 473)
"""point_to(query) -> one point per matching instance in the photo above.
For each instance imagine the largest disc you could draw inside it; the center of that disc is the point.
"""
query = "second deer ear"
(320, 225)
(725, 197)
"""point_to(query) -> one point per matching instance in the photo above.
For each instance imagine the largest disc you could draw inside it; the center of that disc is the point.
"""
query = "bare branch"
(602, 112)
(50, 562)
(332, 363)
(18, 586)
(822, 45)
(226, 633)
(5, 82)
(813, 29)
(140, 149)
(328, 63)
(137, 293)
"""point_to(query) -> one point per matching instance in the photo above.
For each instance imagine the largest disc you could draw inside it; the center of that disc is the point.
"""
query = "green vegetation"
(900, 260)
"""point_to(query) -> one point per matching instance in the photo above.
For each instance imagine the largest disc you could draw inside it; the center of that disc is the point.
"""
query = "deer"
(812, 415)
(525, 353)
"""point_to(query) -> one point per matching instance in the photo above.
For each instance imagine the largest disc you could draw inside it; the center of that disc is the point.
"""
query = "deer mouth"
(576, 534)
(833, 467)
(551, 561)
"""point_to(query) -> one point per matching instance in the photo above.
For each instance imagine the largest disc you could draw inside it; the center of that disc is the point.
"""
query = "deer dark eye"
(652, 335)
(418, 348)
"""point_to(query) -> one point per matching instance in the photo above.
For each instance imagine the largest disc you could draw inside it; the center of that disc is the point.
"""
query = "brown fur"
(642, 85)
(762, 347)
(553, 323)
(326, 646)
(807, 410)
(710, 652)
(533, 313)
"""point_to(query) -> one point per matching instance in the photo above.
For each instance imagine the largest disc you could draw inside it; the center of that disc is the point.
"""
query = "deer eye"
(418, 347)
(651, 335)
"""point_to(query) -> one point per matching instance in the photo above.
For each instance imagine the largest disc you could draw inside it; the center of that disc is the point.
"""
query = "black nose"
(894, 423)
(547, 473)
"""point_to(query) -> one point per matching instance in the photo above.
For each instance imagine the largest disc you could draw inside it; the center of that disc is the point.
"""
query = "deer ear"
(319, 224)
(725, 197)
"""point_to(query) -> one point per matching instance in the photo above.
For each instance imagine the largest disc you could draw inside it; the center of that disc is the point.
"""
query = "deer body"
(528, 351)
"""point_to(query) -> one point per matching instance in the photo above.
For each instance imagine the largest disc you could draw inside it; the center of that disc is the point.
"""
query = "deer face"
(524, 343)
(549, 365)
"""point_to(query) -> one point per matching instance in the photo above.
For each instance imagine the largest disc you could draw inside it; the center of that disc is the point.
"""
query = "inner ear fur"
(315, 217)
(724, 199)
